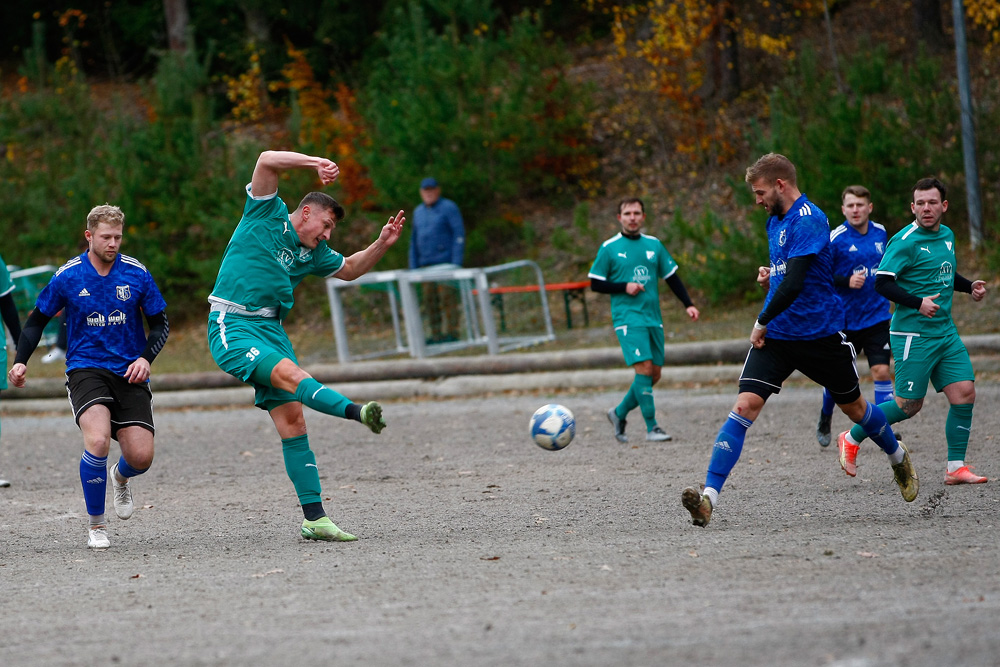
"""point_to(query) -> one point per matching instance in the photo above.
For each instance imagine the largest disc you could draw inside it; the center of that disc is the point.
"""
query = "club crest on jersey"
(285, 258)
(782, 237)
(640, 275)
(948, 243)
(947, 273)
(123, 292)
(879, 248)
(650, 254)
(305, 254)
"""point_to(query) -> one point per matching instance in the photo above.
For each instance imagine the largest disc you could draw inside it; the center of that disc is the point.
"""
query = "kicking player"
(270, 253)
(105, 295)
(628, 267)
(798, 329)
(918, 273)
(856, 248)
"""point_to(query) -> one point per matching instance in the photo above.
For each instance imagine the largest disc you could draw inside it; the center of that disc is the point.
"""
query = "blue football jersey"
(854, 253)
(817, 311)
(104, 326)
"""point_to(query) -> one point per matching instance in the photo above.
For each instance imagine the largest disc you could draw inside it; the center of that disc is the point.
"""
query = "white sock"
(955, 465)
(897, 456)
(851, 440)
(713, 496)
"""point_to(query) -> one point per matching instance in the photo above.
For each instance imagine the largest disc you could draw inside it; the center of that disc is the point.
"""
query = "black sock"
(313, 511)
(353, 411)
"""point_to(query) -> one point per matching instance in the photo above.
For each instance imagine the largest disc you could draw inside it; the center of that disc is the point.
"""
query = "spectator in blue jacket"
(437, 238)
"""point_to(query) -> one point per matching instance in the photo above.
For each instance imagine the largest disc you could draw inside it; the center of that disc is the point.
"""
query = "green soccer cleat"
(371, 416)
(906, 476)
(324, 529)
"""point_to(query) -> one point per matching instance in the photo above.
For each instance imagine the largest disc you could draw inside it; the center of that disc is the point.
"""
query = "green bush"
(490, 112)
(719, 257)
(897, 124)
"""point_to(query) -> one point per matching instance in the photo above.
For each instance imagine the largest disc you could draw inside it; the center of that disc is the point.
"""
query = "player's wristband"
(757, 326)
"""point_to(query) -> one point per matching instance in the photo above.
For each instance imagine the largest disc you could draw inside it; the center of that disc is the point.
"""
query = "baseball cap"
(428, 183)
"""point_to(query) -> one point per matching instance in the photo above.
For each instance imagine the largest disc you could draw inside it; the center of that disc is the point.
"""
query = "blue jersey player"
(798, 329)
(857, 247)
(105, 295)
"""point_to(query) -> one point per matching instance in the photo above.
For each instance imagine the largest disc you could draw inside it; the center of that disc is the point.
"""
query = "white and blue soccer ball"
(552, 426)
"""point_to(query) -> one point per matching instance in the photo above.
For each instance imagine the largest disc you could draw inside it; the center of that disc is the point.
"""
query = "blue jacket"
(438, 235)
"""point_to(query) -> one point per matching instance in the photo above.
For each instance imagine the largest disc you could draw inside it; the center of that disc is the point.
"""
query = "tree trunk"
(176, 13)
(729, 54)
(927, 22)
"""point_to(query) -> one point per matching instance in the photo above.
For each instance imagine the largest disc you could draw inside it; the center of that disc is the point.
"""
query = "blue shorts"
(238, 343)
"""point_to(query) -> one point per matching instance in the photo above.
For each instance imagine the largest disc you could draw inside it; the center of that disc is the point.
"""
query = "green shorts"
(941, 361)
(641, 344)
(238, 343)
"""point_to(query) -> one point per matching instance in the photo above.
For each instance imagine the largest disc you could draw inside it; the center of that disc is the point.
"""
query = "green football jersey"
(923, 263)
(643, 260)
(264, 262)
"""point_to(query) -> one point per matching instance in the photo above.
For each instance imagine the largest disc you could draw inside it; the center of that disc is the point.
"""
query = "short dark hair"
(631, 200)
(771, 167)
(931, 183)
(323, 201)
(859, 191)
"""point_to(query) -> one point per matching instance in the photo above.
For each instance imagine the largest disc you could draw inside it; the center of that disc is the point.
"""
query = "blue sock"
(321, 398)
(727, 450)
(94, 477)
(883, 392)
(828, 403)
(127, 471)
(876, 427)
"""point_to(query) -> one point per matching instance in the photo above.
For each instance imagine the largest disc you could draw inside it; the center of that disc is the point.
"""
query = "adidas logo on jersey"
(84, 292)
(853, 248)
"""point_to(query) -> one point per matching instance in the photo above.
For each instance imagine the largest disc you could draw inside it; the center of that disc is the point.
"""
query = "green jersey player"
(628, 267)
(270, 253)
(918, 272)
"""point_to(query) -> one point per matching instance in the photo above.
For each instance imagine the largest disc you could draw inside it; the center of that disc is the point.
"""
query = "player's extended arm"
(9, 312)
(788, 290)
(362, 261)
(271, 163)
(159, 328)
(26, 344)
(677, 287)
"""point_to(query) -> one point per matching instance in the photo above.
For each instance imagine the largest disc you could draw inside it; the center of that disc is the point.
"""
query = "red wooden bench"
(575, 291)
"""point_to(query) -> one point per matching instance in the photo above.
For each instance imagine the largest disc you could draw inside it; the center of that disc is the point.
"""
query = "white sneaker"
(123, 495)
(4, 483)
(658, 435)
(98, 538)
(54, 355)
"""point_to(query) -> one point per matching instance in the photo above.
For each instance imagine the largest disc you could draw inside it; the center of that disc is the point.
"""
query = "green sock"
(957, 429)
(300, 464)
(628, 404)
(893, 414)
(643, 388)
(321, 398)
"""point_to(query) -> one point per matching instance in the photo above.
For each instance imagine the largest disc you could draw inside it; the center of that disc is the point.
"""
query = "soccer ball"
(552, 426)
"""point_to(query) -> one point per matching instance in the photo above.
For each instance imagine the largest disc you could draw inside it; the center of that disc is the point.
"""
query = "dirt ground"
(479, 548)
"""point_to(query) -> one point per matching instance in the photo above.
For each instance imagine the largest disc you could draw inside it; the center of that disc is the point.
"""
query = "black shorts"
(873, 341)
(130, 404)
(828, 361)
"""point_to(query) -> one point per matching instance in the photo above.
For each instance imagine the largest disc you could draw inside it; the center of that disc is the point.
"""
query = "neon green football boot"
(324, 529)
(371, 416)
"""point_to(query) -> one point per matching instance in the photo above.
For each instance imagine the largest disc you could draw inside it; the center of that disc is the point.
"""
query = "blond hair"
(771, 167)
(106, 213)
